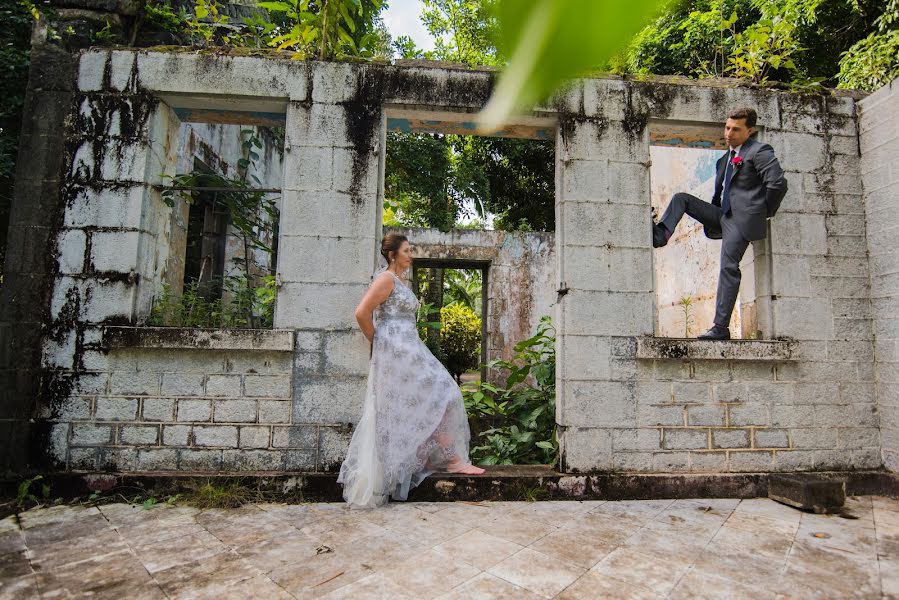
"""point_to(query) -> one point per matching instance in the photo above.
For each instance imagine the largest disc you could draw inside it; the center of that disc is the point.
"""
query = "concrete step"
(524, 483)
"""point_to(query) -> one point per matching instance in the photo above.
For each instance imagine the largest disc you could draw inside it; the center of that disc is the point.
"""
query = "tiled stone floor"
(518, 551)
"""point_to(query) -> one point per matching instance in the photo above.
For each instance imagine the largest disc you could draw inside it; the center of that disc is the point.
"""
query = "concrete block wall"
(615, 410)
(620, 412)
(151, 409)
(879, 144)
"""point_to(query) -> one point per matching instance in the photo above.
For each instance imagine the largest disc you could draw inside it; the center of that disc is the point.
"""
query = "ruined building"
(87, 385)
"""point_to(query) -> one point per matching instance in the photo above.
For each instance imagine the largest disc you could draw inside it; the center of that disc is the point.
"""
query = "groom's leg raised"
(681, 203)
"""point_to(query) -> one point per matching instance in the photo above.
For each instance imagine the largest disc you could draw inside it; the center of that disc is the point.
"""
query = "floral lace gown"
(413, 419)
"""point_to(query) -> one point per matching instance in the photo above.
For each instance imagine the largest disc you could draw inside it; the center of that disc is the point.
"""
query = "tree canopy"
(845, 43)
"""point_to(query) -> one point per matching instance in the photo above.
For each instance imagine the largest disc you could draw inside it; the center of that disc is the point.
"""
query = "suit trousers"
(733, 247)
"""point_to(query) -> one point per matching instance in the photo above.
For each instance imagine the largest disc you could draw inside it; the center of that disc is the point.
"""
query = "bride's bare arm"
(377, 293)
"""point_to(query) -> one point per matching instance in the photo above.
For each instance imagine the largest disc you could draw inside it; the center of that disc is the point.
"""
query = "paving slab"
(646, 549)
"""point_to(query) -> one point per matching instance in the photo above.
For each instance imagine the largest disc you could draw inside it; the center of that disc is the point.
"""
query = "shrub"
(460, 338)
(524, 409)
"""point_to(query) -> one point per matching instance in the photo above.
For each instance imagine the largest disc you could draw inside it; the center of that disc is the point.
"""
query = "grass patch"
(219, 493)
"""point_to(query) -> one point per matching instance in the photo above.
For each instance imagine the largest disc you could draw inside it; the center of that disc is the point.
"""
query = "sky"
(401, 18)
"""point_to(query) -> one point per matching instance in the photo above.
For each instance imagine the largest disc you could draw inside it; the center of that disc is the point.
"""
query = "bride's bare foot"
(464, 468)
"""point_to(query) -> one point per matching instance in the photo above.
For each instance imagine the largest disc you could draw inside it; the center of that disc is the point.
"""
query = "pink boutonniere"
(736, 161)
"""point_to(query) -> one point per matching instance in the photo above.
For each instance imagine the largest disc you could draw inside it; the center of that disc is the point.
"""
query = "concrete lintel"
(689, 134)
(241, 110)
(412, 119)
(745, 350)
(168, 338)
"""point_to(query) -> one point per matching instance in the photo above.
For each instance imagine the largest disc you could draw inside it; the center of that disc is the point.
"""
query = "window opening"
(225, 220)
(683, 159)
(439, 175)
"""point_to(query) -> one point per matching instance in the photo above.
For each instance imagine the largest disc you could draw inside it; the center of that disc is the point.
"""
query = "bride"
(413, 420)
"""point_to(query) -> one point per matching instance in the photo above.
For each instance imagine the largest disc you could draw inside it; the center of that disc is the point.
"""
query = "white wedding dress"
(413, 420)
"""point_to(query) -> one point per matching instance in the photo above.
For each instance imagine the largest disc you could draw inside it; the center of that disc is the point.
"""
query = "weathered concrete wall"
(29, 270)
(753, 409)
(520, 283)
(879, 143)
(622, 412)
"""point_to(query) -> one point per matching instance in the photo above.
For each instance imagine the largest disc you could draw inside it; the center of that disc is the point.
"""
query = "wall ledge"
(175, 338)
(743, 350)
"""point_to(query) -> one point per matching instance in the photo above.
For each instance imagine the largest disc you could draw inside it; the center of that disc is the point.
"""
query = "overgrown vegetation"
(249, 303)
(321, 29)
(244, 300)
(434, 180)
(873, 62)
(15, 33)
(521, 414)
(460, 338)
(844, 43)
(202, 493)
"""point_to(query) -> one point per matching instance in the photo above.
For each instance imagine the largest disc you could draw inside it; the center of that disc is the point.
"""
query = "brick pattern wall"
(732, 416)
(879, 142)
(189, 410)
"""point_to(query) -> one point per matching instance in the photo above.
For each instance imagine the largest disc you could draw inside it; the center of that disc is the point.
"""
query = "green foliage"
(254, 216)
(527, 493)
(160, 15)
(428, 320)
(425, 319)
(25, 497)
(404, 47)
(686, 304)
(15, 34)
(789, 41)
(688, 39)
(429, 178)
(463, 286)
(213, 493)
(510, 178)
(105, 36)
(551, 41)
(251, 213)
(460, 338)
(771, 43)
(524, 406)
(463, 30)
(418, 180)
(873, 61)
(310, 28)
(328, 28)
(250, 304)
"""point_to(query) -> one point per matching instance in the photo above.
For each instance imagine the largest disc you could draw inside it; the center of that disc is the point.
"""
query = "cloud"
(401, 18)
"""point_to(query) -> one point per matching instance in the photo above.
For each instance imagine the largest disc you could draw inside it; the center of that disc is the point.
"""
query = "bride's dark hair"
(391, 243)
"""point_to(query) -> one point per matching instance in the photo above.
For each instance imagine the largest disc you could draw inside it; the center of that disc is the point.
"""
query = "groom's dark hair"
(744, 114)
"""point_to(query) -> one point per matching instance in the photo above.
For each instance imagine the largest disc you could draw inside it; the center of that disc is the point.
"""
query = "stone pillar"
(112, 232)
(605, 275)
(329, 229)
(29, 269)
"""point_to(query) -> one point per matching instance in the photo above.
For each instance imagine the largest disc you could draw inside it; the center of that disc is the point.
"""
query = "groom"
(749, 186)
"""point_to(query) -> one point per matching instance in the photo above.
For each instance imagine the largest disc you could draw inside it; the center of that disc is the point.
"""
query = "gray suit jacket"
(757, 187)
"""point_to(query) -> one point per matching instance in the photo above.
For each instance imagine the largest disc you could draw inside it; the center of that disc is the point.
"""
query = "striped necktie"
(725, 195)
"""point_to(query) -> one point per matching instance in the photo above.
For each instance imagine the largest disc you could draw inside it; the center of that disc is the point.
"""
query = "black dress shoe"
(659, 235)
(716, 333)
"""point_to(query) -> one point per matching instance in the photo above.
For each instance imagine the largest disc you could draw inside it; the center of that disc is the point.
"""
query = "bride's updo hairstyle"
(391, 243)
